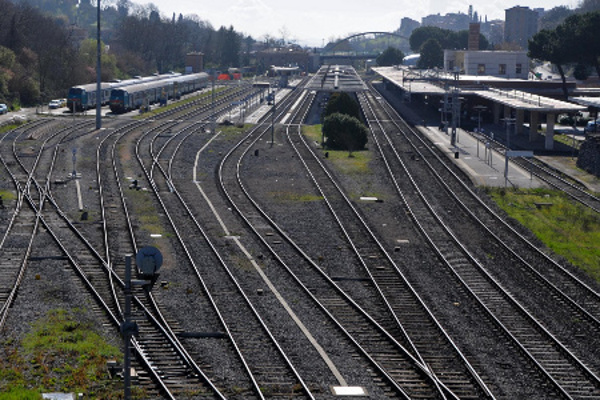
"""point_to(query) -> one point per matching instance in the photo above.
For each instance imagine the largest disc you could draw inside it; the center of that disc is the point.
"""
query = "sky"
(316, 22)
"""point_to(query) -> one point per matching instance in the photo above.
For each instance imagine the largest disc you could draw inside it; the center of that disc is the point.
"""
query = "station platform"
(475, 155)
(488, 170)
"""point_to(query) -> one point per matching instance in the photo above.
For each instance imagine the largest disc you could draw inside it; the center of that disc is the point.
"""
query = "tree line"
(47, 46)
(574, 42)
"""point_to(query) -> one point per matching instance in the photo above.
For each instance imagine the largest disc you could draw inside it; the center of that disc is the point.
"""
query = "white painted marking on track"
(79, 199)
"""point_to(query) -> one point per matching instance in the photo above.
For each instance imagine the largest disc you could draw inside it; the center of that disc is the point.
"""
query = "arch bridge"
(349, 48)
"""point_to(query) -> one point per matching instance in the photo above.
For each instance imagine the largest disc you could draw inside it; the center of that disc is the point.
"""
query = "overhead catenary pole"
(273, 120)
(98, 74)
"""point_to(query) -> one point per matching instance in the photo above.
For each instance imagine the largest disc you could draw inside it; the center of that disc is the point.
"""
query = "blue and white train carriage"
(132, 97)
(83, 97)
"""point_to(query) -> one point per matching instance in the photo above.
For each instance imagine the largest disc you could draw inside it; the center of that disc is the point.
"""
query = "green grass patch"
(296, 197)
(62, 353)
(7, 195)
(355, 164)
(8, 127)
(142, 206)
(313, 132)
(21, 394)
(232, 130)
(569, 229)
(564, 139)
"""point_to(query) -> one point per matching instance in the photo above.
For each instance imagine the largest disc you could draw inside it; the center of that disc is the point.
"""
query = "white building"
(502, 64)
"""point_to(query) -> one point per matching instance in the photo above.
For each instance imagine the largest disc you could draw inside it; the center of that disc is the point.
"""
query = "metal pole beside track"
(127, 331)
(98, 76)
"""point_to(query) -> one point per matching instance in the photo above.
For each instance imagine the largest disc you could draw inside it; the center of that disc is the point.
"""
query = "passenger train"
(83, 97)
(132, 97)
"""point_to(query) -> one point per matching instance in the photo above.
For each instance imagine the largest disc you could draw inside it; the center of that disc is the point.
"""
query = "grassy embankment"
(63, 352)
(568, 229)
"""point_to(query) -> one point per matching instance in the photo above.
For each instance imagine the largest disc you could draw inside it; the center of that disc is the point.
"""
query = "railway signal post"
(148, 261)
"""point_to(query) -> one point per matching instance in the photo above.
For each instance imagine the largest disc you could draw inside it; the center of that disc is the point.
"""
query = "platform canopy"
(586, 101)
(527, 101)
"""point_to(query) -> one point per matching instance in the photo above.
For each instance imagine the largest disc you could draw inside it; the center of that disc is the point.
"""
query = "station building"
(502, 64)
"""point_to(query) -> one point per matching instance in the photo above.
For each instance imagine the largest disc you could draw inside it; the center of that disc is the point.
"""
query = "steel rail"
(495, 283)
(365, 353)
(225, 267)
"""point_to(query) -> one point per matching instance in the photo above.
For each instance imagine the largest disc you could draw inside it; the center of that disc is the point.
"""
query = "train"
(124, 99)
(83, 97)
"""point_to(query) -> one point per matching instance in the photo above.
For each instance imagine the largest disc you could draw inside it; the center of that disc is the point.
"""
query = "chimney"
(474, 36)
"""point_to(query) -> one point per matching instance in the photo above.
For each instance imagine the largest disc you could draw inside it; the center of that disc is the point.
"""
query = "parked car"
(3, 109)
(592, 126)
(55, 104)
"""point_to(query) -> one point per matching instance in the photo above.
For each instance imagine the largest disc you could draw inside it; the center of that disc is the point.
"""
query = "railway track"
(244, 309)
(158, 350)
(555, 179)
(531, 263)
(419, 328)
(209, 105)
(268, 368)
(17, 241)
(567, 372)
(402, 373)
(164, 359)
(559, 181)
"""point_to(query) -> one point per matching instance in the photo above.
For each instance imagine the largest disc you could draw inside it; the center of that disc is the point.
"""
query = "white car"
(55, 104)
(3, 109)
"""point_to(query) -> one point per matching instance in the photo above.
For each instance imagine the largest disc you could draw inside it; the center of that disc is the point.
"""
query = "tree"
(343, 103)
(552, 45)
(344, 132)
(588, 31)
(555, 16)
(88, 53)
(432, 55)
(589, 6)
(422, 34)
(7, 61)
(390, 56)
(581, 72)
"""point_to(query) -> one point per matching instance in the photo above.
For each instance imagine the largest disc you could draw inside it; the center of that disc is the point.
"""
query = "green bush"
(344, 132)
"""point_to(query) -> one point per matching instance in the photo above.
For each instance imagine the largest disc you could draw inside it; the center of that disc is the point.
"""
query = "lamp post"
(271, 97)
(98, 75)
